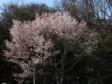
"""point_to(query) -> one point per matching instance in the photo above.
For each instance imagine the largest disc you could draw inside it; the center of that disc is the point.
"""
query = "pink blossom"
(34, 40)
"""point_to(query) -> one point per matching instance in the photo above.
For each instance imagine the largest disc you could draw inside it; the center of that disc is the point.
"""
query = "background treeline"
(96, 68)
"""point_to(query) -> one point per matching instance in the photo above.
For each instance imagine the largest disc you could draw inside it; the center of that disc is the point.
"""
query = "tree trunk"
(34, 78)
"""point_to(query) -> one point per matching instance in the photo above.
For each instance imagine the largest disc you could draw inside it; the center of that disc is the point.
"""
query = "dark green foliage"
(24, 12)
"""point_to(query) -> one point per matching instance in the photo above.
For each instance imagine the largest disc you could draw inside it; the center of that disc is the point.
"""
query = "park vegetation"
(68, 44)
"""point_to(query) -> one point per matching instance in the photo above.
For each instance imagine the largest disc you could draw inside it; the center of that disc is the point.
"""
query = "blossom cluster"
(32, 42)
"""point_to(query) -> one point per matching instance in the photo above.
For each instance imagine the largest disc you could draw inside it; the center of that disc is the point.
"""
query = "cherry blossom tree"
(36, 41)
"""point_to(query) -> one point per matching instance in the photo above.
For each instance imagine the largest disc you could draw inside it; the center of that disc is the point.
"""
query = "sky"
(48, 2)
